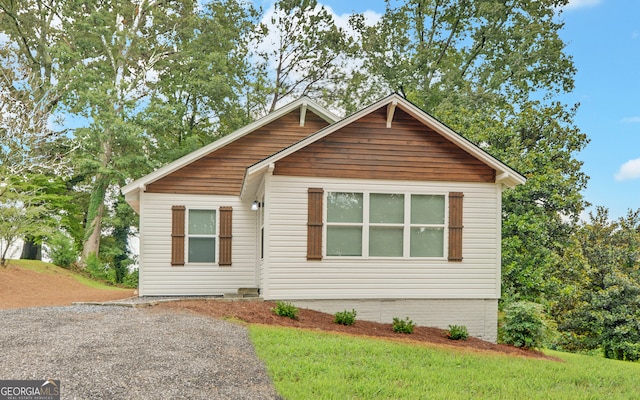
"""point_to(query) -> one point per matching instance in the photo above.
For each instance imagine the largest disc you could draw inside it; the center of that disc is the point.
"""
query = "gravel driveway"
(131, 353)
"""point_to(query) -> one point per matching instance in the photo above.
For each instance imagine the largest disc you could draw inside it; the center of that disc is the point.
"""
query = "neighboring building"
(14, 250)
(386, 211)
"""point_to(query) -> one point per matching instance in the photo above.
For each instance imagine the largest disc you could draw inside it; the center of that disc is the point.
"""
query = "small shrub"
(458, 332)
(131, 280)
(403, 325)
(285, 309)
(345, 317)
(524, 325)
(96, 269)
(61, 250)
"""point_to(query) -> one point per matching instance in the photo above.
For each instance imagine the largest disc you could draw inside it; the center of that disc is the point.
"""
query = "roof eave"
(132, 197)
(510, 179)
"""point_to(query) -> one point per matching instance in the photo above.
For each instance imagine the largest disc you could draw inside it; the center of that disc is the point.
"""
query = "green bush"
(131, 280)
(458, 332)
(403, 325)
(345, 317)
(625, 350)
(100, 271)
(524, 325)
(285, 309)
(61, 250)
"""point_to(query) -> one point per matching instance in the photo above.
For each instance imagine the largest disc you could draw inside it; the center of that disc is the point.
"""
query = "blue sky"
(603, 37)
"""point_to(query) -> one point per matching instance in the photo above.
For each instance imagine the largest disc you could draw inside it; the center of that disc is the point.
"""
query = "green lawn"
(317, 365)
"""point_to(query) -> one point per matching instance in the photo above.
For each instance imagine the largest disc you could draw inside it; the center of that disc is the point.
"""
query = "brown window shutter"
(177, 235)
(314, 224)
(225, 236)
(455, 226)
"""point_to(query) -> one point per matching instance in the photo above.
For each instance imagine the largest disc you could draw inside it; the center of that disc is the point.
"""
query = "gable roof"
(131, 191)
(504, 174)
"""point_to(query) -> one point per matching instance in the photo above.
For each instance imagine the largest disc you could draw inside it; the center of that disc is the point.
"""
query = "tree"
(17, 219)
(114, 249)
(31, 85)
(305, 52)
(427, 49)
(49, 193)
(199, 93)
(600, 305)
(114, 51)
(21, 214)
(540, 216)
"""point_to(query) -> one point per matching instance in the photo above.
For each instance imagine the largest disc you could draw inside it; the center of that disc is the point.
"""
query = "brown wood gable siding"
(222, 171)
(408, 150)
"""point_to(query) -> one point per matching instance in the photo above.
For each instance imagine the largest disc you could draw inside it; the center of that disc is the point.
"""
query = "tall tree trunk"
(95, 213)
(93, 228)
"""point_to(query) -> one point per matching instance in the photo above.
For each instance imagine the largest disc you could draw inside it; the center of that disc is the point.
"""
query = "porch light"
(255, 206)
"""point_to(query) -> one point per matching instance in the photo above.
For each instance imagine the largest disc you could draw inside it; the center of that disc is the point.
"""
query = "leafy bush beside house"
(524, 325)
(403, 325)
(458, 332)
(285, 309)
(345, 317)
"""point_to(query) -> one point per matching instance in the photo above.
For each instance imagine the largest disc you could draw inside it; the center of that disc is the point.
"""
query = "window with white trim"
(385, 224)
(201, 236)
(344, 224)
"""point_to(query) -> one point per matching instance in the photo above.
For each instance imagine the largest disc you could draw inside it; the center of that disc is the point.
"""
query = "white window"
(385, 224)
(202, 235)
(344, 224)
(427, 225)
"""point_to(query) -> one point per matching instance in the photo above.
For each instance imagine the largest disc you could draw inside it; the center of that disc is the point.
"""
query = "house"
(386, 211)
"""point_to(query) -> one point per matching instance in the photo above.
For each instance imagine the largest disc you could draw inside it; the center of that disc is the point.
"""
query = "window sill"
(378, 258)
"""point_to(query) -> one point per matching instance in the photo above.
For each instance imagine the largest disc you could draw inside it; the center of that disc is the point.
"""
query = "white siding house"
(387, 211)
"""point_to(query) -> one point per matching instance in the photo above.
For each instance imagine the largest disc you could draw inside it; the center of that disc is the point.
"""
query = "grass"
(317, 365)
(47, 268)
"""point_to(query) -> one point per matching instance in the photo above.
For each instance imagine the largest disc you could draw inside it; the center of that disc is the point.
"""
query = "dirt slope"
(48, 285)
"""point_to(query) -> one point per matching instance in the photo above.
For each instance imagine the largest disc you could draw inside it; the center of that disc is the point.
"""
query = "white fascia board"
(203, 151)
(133, 199)
(504, 174)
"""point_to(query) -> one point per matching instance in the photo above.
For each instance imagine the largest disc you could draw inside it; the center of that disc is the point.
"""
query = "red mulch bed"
(258, 312)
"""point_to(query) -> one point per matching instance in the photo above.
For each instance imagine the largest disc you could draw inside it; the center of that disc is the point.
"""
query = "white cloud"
(631, 120)
(629, 170)
(573, 4)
